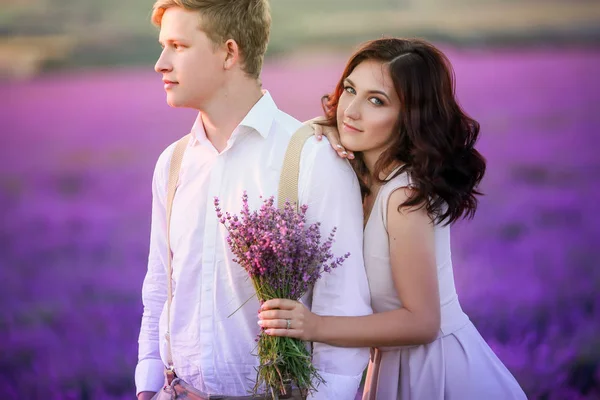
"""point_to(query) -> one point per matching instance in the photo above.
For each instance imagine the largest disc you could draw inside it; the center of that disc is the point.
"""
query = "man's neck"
(225, 114)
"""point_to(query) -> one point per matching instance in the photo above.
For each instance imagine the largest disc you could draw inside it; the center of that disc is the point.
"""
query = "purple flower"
(284, 258)
(278, 249)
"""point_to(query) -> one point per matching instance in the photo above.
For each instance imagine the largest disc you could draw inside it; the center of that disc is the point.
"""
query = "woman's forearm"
(399, 327)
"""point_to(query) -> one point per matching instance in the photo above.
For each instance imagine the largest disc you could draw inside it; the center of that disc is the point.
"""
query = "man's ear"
(232, 54)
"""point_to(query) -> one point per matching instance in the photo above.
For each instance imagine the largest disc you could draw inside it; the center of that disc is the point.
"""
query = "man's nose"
(163, 64)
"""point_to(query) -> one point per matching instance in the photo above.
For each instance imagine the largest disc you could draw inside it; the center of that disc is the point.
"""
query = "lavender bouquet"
(284, 258)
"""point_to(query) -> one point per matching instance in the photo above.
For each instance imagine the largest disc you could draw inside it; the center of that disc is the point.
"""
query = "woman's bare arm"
(412, 255)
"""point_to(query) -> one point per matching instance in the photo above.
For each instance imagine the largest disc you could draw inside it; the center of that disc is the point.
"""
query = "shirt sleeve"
(329, 187)
(149, 372)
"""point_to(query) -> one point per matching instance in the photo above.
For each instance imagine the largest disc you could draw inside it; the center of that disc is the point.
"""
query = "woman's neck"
(383, 174)
(370, 159)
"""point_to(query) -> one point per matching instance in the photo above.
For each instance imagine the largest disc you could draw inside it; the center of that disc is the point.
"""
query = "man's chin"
(182, 104)
(175, 103)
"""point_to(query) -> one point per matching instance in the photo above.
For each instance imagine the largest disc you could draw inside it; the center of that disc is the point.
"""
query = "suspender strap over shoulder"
(288, 182)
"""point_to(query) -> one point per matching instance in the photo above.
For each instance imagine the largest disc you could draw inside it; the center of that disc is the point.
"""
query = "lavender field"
(77, 154)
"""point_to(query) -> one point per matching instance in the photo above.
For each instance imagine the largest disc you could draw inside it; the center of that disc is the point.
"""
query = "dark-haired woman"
(413, 152)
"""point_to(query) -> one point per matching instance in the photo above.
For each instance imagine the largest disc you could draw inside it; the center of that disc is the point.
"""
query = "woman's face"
(368, 109)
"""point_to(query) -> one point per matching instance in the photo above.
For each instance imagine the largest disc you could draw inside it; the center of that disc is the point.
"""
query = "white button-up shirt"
(213, 350)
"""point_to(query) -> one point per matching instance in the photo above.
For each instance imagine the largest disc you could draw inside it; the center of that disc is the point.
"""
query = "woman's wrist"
(320, 329)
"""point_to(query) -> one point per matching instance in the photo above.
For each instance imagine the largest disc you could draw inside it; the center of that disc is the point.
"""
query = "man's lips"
(169, 83)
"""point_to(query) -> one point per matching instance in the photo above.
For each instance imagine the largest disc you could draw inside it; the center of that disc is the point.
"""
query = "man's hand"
(145, 395)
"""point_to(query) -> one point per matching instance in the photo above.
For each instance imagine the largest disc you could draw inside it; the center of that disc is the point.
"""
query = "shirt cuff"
(339, 387)
(149, 376)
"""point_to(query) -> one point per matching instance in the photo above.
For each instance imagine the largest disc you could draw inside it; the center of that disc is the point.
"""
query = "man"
(211, 61)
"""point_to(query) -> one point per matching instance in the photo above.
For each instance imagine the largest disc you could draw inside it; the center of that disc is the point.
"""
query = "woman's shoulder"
(395, 191)
(397, 179)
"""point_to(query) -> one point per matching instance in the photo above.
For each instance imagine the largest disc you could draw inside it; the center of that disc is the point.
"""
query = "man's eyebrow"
(170, 40)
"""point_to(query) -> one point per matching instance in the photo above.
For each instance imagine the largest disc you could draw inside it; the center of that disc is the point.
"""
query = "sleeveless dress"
(459, 364)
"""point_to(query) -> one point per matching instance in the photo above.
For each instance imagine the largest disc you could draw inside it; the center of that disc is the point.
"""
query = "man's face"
(190, 64)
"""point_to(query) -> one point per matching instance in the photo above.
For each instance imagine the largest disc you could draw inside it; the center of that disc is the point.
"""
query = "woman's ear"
(325, 104)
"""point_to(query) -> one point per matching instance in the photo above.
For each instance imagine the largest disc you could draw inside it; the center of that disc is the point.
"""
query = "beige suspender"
(288, 190)
(171, 188)
(288, 181)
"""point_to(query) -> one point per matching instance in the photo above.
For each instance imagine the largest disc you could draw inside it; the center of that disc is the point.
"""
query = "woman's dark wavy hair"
(435, 137)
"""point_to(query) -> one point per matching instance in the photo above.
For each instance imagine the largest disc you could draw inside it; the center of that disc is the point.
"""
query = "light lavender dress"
(458, 365)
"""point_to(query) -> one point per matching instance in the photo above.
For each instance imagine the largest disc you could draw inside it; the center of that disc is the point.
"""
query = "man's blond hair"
(248, 22)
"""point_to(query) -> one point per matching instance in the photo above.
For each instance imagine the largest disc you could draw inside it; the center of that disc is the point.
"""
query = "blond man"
(212, 56)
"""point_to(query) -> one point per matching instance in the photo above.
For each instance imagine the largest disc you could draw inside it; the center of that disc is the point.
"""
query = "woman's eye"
(376, 101)
(349, 89)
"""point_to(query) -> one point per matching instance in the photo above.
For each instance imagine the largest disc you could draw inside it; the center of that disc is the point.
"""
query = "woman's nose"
(352, 111)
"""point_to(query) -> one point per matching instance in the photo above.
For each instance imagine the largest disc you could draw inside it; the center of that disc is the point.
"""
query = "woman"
(412, 145)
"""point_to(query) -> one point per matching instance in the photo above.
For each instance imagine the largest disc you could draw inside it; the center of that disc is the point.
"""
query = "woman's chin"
(350, 145)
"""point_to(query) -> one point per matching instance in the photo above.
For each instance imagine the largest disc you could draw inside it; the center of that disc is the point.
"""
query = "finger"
(318, 131)
(283, 304)
(342, 152)
(312, 122)
(321, 130)
(351, 155)
(275, 314)
(275, 323)
(335, 145)
(294, 333)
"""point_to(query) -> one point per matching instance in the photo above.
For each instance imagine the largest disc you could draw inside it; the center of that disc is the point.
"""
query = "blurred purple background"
(76, 161)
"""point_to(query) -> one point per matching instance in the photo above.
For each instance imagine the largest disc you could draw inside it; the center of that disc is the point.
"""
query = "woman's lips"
(350, 128)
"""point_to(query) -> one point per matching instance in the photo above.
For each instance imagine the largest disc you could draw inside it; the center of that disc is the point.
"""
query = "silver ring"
(289, 323)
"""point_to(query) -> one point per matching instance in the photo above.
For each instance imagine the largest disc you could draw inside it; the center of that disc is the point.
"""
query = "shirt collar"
(261, 115)
(198, 133)
(260, 118)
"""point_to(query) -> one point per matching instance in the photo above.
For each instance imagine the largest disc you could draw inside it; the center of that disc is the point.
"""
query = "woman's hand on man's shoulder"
(332, 135)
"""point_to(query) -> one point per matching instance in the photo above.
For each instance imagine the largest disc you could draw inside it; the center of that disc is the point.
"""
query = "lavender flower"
(284, 259)
(278, 248)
